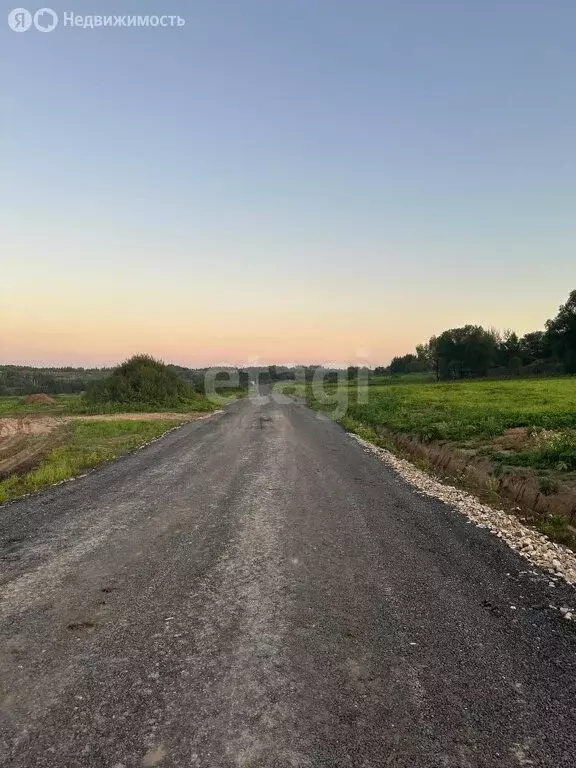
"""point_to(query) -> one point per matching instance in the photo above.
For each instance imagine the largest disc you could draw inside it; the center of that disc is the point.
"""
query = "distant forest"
(467, 352)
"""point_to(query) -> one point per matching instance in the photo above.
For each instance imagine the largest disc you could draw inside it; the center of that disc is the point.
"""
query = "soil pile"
(40, 399)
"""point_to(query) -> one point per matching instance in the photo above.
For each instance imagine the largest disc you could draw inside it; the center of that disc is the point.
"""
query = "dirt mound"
(40, 399)
(26, 425)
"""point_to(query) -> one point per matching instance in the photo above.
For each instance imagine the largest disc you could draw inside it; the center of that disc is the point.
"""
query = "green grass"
(89, 443)
(402, 378)
(199, 404)
(77, 405)
(460, 411)
(86, 445)
(556, 528)
(15, 406)
(471, 415)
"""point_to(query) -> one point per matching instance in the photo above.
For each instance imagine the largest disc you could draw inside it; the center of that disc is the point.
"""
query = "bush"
(141, 380)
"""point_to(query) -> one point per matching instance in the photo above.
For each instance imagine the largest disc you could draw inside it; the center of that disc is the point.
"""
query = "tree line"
(469, 351)
(473, 351)
(26, 380)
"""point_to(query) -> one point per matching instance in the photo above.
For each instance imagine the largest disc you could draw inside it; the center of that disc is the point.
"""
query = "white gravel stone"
(535, 547)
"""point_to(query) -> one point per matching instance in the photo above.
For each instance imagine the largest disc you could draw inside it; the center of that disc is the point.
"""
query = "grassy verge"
(85, 445)
(510, 442)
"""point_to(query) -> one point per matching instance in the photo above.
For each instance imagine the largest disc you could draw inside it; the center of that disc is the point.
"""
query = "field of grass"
(83, 445)
(15, 406)
(458, 411)
(523, 429)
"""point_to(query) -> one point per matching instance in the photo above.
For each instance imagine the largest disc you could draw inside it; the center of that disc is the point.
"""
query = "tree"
(352, 372)
(424, 357)
(463, 352)
(515, 363)
(561, 332)
(535, 346)
(508, 348)
(402, 364)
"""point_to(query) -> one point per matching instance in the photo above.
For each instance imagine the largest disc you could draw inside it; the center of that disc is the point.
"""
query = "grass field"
(15, 406)
(461, 410)
(42, 444)
(522, 430)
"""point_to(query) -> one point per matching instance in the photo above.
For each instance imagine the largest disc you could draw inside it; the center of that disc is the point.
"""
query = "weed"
(556, 528)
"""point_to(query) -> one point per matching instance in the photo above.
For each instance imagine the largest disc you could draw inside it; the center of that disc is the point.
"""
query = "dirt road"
(256, 590)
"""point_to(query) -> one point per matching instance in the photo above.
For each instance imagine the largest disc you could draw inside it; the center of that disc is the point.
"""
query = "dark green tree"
(508, 348)
(535, 346)
(403, 364)
(462, 352)
(561, 332)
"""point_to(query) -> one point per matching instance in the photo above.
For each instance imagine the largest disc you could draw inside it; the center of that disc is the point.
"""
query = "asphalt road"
(256, 590)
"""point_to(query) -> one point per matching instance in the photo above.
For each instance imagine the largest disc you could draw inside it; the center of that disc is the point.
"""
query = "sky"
(284, 181)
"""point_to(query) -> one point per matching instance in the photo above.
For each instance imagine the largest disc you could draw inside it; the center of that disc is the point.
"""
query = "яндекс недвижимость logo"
(44, 20)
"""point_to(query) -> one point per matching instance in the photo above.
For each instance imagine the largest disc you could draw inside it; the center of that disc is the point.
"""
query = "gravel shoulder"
(258, 589)
(558, 560)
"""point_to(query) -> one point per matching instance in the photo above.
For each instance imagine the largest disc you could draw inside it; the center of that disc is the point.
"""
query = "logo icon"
(45, 20)
(19, 20)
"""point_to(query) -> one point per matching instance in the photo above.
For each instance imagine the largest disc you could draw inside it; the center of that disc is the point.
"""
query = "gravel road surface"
(257, 590)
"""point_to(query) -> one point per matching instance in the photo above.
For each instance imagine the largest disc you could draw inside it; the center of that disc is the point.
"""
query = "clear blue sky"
(286, 179)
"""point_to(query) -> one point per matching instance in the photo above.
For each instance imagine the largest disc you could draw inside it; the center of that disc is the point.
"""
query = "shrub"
(141, 380)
